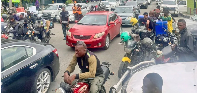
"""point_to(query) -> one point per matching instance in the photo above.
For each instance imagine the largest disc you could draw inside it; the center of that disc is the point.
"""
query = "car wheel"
(107, 43)
(120, 32)
(42, 81)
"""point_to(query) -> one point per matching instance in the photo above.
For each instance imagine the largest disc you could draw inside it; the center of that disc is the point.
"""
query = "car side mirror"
(76, 21)
(112, 22)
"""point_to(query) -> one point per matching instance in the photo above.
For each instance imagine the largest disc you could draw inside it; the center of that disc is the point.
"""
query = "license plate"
(126, 59)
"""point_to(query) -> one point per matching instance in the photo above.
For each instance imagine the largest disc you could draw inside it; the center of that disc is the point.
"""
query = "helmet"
(125, 36)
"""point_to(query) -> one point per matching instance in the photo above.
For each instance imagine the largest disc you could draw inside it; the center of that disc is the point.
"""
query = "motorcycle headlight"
(129, 45)
(29, 32)
(98, 35)
(69, 34)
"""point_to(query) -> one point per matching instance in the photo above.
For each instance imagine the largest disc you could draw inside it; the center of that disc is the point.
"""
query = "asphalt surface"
(113, 55)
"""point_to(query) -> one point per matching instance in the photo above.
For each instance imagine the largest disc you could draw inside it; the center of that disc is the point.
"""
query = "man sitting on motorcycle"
(89, 65)
(147, 22)
(167, 18)
(185, 49)
(13, 23)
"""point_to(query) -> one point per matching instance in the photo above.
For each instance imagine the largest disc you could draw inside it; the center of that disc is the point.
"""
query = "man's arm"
(72, 65)
(92, 69)
(189, 47)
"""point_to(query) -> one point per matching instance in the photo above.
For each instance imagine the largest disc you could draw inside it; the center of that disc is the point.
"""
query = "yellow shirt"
(169, 25)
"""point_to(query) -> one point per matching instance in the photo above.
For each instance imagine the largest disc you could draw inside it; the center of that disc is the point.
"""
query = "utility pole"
(10, 3)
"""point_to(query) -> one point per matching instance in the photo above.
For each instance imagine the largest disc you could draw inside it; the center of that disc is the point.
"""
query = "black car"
(27, 67)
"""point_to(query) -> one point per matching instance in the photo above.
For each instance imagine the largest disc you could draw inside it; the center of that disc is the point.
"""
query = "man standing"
(74, 8)
(79, 12)
(37, 4)
(64, 20)
(146, 21)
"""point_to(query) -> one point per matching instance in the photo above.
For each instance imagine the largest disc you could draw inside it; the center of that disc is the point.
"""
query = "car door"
(182, 5)
(14, 69)
(117, 22)
(111, 27)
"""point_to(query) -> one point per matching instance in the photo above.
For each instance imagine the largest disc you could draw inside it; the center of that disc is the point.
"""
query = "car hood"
(177, 77)
(141, 2)
(125, 14)
(113, 3)
(87, 29)
(49, 11)
(164, 5)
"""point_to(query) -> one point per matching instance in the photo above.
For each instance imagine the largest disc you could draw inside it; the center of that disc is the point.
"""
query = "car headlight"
(144, 3)
(129, 18)
(69, 34)
(98, 35)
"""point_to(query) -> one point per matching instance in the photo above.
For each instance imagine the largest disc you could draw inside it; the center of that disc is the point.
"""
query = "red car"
(96, 29)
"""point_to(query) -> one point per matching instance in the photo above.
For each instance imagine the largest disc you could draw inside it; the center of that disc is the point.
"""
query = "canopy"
(15, 1)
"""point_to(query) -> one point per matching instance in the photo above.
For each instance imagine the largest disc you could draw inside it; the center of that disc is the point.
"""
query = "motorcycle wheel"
(103, 90)
(122, 69)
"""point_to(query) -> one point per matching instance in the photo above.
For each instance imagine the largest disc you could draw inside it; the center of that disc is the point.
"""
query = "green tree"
(68, 2)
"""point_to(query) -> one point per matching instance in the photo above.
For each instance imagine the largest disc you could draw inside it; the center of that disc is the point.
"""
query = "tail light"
(56, 52)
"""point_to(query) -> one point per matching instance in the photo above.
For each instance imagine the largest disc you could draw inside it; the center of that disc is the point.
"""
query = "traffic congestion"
(109, 46)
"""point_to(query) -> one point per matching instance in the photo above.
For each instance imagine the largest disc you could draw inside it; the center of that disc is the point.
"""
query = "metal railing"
(132, 70)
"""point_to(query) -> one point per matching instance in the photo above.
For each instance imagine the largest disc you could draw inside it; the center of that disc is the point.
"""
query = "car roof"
(100, 12)
(177, 77)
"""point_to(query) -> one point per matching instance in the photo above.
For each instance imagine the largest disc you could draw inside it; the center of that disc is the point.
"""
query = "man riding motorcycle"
(89, 65)
(185, 49)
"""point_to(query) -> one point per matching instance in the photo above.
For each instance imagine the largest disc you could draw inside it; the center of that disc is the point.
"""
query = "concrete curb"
(184, 15)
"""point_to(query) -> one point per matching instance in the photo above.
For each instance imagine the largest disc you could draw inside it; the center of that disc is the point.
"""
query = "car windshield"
(93, 20)
(169, 2)
(123, 10)
(105, 3)
(69, 8)
(51, 7)
(131, 4)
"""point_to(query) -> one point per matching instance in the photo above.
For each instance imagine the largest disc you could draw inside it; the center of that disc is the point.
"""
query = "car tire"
(120, 31)
(43, 73)
(107, 42)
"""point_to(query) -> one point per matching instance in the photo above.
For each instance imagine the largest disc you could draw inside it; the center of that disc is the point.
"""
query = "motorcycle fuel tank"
(160, 27)
(81, 87)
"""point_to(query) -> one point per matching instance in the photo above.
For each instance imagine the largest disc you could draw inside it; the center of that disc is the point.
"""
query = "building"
(192, 7)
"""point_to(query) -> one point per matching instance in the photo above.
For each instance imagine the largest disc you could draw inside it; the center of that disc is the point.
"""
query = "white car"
(113, 3)
(171, 6)
(178, 77)
(182, 6)
(54, 10)
(108, 6)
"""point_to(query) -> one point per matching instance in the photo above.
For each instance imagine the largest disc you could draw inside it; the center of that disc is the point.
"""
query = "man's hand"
(71, 79)
(66, 77)
(173, 46)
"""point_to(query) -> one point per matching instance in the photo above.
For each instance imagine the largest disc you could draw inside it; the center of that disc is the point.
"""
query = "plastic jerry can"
(160, 27)
(140, 16)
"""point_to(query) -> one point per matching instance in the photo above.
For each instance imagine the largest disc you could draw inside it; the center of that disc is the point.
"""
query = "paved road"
(113, 55)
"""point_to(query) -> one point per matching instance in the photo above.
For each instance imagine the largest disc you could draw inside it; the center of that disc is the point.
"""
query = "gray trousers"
(64, 28)
(96, 84)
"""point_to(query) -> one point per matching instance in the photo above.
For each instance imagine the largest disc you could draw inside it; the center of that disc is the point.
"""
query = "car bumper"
(94, 43)
(173, 12)
(126, 22)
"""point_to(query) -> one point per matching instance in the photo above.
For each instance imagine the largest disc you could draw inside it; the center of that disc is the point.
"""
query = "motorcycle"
(84, 85)
(137, 50)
